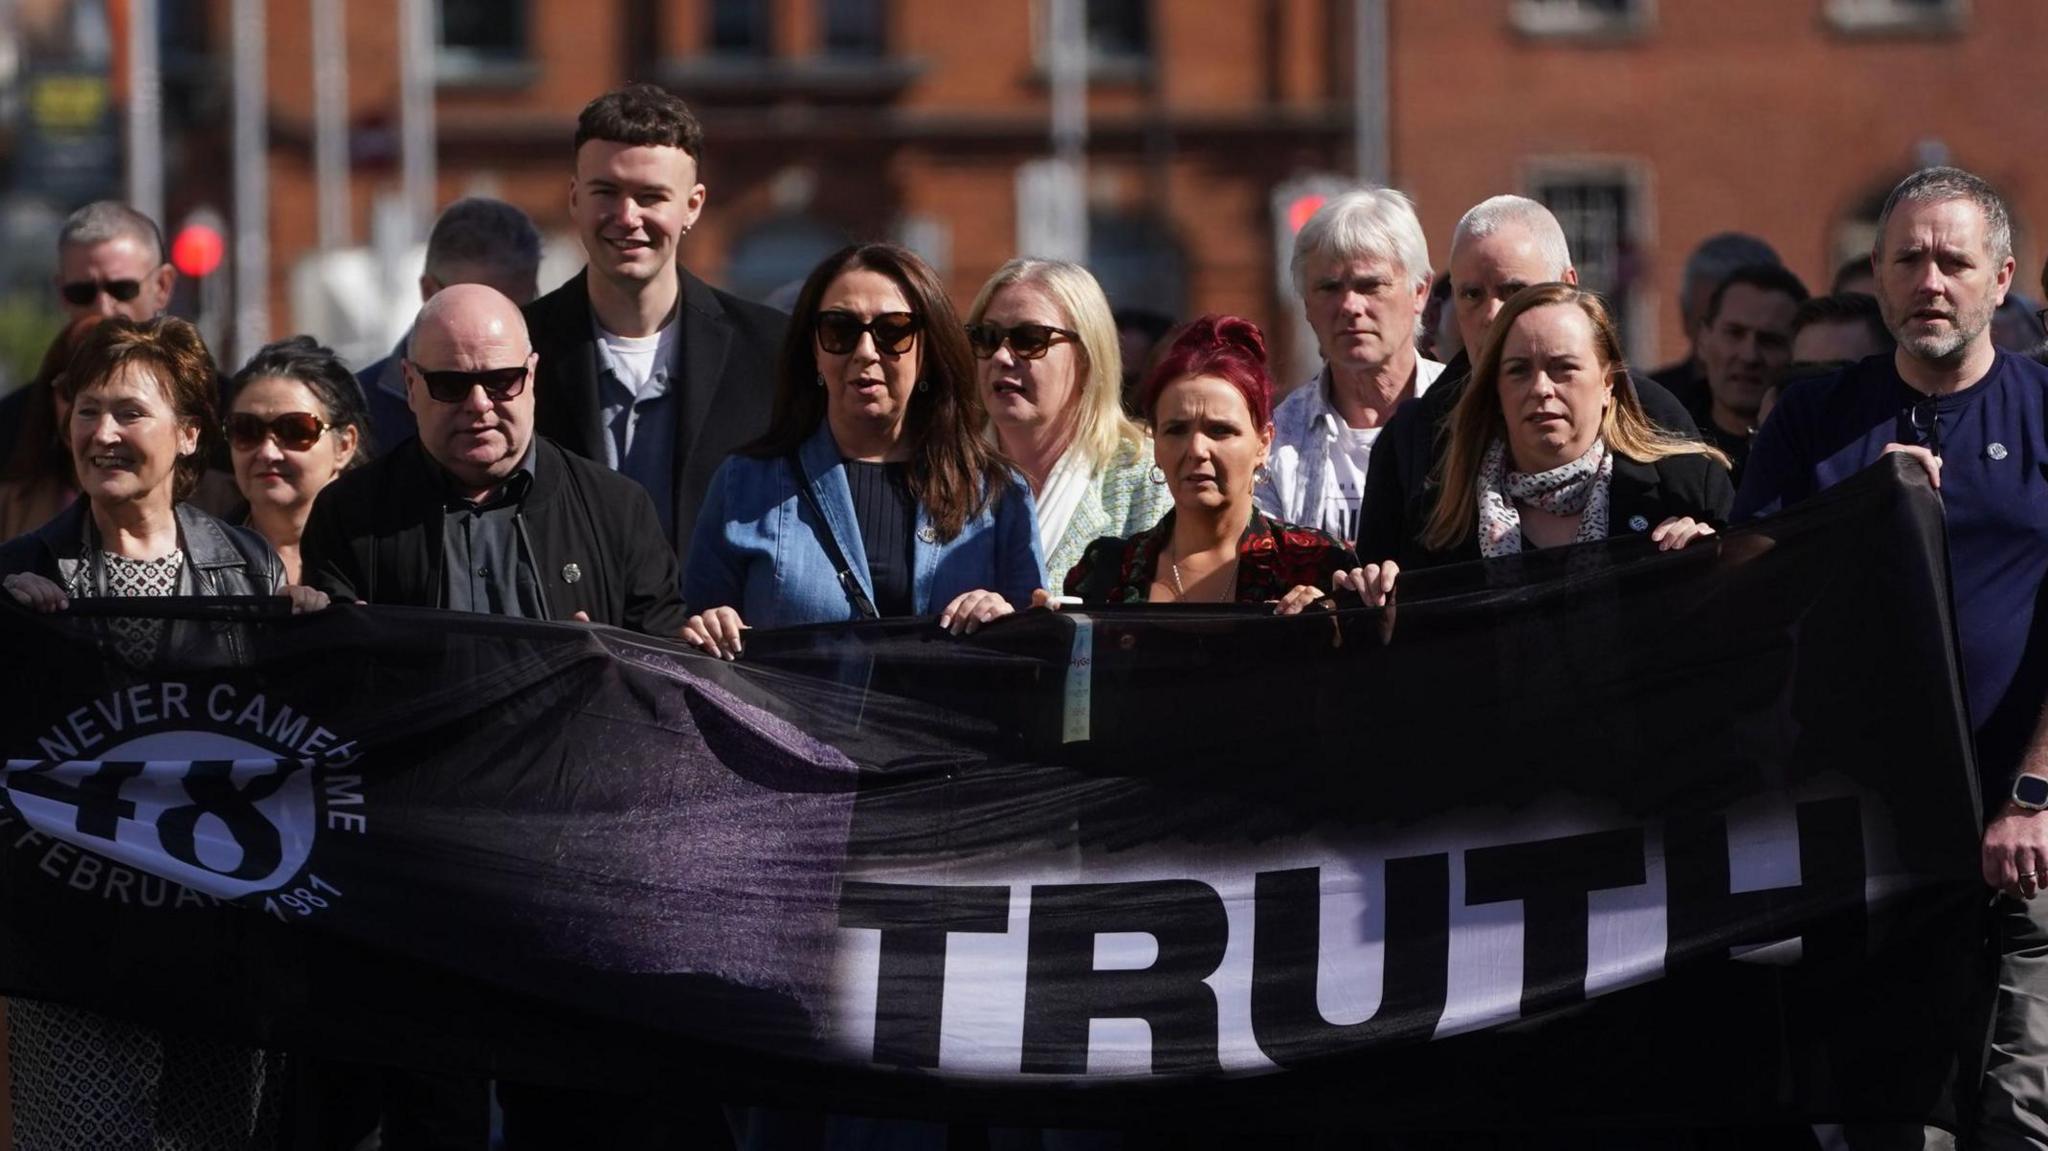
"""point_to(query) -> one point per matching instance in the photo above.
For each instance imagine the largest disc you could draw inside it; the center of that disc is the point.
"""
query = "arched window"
(778, 252)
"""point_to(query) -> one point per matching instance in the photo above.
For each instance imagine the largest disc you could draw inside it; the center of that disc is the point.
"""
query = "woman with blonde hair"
(1549, 446)
(1050, 369)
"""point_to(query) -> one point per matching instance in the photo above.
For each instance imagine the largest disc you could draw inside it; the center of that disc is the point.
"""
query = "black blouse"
(887, 515)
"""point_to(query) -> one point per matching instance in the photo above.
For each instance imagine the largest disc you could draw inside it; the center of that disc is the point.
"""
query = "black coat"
(726, 388)
(1639, 497)
(375, 535)
(1412, 445)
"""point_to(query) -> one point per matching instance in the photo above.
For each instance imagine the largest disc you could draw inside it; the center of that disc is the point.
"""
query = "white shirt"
(1315, 475)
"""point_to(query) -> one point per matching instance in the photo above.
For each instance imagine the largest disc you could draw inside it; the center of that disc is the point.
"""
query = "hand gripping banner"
(1599, 834)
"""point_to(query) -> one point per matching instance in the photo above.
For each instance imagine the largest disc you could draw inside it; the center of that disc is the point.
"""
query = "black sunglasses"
(1027, 341)
(81, 293)
(839, 332)
(452, 387)
(294, 431)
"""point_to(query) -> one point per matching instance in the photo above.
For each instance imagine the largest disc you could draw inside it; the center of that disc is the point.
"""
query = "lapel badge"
(1996, 451)
(571, 573)
(928, 534)
(1638, 524)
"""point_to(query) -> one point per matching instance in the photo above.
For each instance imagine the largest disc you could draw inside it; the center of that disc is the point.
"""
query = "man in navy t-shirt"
(1977, 418)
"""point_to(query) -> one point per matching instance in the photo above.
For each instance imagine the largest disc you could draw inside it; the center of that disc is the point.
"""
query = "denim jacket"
(759, 549)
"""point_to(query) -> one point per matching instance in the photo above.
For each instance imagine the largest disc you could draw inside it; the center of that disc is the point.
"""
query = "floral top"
(1273, 558)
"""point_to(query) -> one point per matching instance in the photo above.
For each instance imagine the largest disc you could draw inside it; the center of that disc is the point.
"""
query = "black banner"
(1599, 835)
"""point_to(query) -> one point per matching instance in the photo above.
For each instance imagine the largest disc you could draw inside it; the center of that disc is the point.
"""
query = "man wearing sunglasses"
(478, 513)
(110, 262)
(643, 366)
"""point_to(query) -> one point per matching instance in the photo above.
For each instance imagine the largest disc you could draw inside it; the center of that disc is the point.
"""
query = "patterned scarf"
(1578, 488)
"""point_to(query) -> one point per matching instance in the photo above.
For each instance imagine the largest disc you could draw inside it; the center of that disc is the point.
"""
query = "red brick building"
(1646, 123)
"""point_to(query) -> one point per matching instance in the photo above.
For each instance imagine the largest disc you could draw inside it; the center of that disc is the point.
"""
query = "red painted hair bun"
(1230, 348)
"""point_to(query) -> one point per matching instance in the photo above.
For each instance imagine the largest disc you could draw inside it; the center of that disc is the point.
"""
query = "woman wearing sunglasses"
(1051, 373)
(874, 491)
(1210, 402)
(295, 422)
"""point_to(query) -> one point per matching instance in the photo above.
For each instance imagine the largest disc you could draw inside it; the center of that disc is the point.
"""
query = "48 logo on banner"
(173, 793)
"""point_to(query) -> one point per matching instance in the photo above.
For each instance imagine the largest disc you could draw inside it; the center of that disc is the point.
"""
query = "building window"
(480, 37)
(770, 259)
(1910, 16)
(1601, 211)
(853, 28)
(1582, 18)
(1118, 32)
(1138, 262)
(740, 28)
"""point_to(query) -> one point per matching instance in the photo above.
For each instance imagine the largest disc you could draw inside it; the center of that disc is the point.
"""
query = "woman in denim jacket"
(874, 492)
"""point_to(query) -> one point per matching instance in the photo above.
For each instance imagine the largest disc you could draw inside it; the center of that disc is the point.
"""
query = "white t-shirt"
(1345, 493)
(635, 356)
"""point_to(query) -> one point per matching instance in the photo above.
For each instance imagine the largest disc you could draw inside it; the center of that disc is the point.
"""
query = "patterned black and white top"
(81, 1079)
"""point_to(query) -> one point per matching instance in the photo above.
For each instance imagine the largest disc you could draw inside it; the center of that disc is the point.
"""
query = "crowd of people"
(639, 449)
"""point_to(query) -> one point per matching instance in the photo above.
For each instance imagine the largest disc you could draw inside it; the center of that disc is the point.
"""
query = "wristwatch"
(2030, 791)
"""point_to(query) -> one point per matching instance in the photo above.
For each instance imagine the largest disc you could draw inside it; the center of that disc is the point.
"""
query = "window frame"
(1638, 312)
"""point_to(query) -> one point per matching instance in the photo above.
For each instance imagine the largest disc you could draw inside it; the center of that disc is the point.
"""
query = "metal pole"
(1369, 90)
(145, 114)
(416, 39)
(330, 122)
(1067, 68)
(252, 183)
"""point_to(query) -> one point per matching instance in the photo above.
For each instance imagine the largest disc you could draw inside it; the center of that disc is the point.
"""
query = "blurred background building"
(1211, 128)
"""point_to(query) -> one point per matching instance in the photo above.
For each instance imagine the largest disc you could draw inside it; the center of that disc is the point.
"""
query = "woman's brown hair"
(42, 453)
(1477, 420)
(171, 349)
(954, 472)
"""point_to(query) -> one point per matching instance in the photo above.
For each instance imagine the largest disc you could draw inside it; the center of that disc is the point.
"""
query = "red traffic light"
(197, 250)
(1301, 208)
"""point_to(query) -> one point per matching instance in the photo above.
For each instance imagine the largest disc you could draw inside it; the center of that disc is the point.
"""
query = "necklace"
(1180, 593)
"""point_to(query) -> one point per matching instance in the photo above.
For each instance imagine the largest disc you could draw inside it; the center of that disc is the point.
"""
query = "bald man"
(478, 513)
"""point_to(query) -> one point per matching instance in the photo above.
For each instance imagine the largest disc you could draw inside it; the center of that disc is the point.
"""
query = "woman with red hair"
(1210, 402)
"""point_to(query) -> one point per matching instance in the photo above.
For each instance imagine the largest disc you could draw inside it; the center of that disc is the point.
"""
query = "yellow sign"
(73, 103)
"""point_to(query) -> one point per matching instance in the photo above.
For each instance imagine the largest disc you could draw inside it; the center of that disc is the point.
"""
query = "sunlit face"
(1204, 440)
(1747, 346)
(1027, 396)
(126, 438)
(1554, 389)
(1938, 281)
(273, 475)
(478, 439)
(868, 390)
(121, 260)
(1363, 311)
(631, 204)
(1486, 271)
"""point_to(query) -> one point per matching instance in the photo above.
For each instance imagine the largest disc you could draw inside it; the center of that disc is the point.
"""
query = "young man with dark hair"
(1839, 330)
(643, 365)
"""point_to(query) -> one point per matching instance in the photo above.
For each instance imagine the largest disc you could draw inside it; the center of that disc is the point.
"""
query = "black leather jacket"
(220, 558)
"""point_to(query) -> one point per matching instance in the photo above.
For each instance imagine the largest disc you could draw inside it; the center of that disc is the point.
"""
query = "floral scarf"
(1579, 488)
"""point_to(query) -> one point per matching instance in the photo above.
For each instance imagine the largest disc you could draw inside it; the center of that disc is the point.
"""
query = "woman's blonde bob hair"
(1477, 420)
(1100, 425)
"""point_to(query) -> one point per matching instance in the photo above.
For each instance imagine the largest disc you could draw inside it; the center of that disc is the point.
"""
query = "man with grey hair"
(1501, 245)
(1362, 268)
(1975, 417)
(110, 262)
(1711, 263)
(476, 240)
